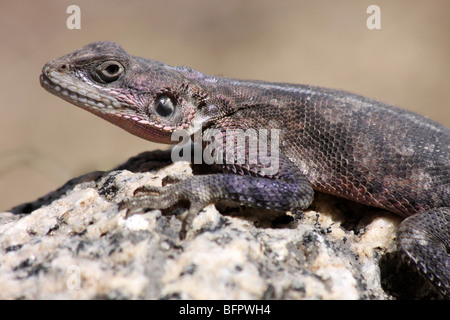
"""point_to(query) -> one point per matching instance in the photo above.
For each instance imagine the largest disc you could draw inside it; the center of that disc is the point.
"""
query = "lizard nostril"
(63, 67)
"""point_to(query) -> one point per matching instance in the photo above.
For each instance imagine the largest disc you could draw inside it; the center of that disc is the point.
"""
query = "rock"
(74, 243)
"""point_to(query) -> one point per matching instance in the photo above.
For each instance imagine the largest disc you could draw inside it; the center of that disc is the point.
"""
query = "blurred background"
(45, 141)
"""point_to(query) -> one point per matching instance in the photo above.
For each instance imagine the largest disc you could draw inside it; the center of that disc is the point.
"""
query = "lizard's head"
(145, 97)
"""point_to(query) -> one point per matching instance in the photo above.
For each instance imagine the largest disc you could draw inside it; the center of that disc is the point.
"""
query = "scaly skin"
(331, 141)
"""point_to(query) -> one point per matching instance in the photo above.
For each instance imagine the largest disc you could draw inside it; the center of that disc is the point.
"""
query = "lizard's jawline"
(72, 94)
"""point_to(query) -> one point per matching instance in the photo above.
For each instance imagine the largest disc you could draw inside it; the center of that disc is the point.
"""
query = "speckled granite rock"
(74, 244)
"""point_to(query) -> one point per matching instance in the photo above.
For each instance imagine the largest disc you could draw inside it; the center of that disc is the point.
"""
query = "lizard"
(329, 140)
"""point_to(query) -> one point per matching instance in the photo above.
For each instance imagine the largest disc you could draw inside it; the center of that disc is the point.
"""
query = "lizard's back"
(358, 148)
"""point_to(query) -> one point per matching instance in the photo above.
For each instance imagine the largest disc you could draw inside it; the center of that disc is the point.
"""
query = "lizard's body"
(329, 140)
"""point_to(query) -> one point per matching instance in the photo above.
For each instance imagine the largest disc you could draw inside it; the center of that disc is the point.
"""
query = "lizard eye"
(109, 71)
(164, 104)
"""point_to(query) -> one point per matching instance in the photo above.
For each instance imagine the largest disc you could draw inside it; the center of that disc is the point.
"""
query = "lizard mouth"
(71, 92)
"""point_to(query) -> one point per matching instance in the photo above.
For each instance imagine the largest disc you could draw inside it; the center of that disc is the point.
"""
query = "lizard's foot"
(149, 197)
(161, 198)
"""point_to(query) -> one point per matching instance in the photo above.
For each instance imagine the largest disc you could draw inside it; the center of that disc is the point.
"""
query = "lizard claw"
(161, 198)
(142, 198)
(125, 204)
(148, 190)
(152, 197)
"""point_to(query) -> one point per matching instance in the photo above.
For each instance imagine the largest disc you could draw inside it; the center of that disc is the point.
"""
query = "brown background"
(44, 141)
